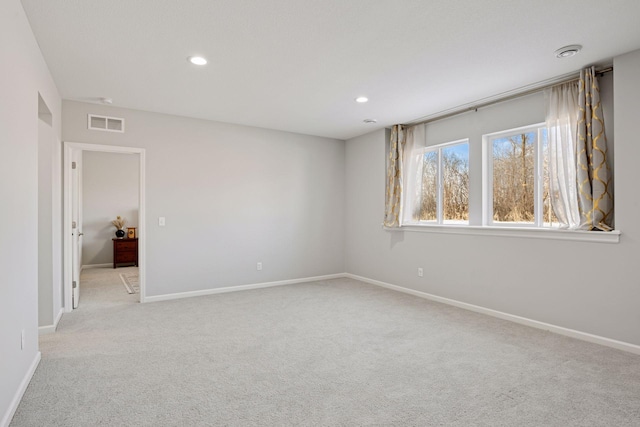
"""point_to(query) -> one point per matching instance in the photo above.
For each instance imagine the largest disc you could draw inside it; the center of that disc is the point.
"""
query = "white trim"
(487, 181)
(66, 229)
(89, 266)
(69, 147)
(49, 329)
(596, 339)
(226, 289)
(142, 227)
(8, 416)
(56, 220)
(522, 232)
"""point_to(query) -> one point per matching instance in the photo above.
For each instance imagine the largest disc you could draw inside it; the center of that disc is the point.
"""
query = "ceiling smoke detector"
(567, 51)
(370, 121)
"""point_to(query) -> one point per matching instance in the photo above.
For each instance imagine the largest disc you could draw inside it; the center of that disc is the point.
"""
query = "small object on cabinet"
(131, 233)
(118, 223)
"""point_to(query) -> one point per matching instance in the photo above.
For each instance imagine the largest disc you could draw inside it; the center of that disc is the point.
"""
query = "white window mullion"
(537, 176)
(440, 189)
(487, 181)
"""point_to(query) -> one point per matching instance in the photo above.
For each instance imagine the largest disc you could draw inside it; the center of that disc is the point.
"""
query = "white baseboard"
(96, 266)
(584, 336)
(179, 295)
(6, 419)
(49, 329)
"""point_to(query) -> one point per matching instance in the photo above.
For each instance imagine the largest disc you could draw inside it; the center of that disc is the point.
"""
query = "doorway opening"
(99, 248)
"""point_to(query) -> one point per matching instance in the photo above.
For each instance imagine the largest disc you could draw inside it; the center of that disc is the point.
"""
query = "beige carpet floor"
(331, 353)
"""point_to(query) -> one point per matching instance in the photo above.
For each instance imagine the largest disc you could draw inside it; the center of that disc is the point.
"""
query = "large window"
(512, 174)
(443, 184)
(495, 176)
(516, 184)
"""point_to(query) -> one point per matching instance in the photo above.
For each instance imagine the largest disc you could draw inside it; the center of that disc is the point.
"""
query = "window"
(493, 178)
(516, 184)
(442, 190)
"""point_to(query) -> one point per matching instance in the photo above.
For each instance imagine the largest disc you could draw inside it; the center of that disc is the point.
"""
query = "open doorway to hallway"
(103, 182)
(109, 194)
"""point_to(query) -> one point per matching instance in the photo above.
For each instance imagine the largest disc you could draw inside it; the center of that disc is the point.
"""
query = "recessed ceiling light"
(567, 51)
(362, 99)
(370, 121)
(197, 60)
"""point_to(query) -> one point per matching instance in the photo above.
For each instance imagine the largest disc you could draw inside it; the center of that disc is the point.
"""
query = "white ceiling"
(297, 65)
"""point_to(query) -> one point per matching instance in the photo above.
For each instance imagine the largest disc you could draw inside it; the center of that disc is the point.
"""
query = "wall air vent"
(109, 124)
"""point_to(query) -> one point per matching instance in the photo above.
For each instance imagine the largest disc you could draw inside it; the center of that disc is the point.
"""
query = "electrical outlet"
(161, 221)
(22, 340)
(420, 272)
(259, 266)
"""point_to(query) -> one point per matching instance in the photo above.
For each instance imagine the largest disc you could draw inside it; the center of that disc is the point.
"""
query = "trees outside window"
(518, 180)
(444, 192)
(514, 174)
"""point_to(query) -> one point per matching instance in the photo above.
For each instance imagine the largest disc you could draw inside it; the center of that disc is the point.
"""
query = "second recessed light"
(197, 60)
(362, 99)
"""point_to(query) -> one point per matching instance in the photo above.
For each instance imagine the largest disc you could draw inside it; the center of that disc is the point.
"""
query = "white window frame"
(487, 177)
(439, 186)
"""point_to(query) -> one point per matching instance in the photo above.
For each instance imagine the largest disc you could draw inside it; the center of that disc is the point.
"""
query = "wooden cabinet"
(125, 251)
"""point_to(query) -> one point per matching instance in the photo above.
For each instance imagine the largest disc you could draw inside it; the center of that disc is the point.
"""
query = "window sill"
(522, 232)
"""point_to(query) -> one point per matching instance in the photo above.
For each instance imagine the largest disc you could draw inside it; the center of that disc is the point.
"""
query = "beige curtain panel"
(393, 199)
(579, 175)
(595, 196)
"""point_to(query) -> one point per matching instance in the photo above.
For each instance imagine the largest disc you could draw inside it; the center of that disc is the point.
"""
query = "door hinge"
(74, 284)
(73, 165)
(73, 224)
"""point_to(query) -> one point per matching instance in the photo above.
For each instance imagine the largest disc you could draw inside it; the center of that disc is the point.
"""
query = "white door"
(76, 224)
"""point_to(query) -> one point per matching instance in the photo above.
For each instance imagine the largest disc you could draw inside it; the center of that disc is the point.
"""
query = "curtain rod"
(505, 96)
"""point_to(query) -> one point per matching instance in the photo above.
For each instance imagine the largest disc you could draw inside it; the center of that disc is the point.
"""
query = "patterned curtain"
(579, 176)
(595, 197)
(393, 198)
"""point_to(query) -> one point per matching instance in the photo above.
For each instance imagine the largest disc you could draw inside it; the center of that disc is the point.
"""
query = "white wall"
(232, 196)
(589, 287)
(50, 292)
(46, 142)
(24, 75)
(109, 188)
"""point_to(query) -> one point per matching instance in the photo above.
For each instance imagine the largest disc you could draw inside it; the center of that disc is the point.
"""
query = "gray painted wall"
(589, 287)
(236, 195)
(24, 75)
(232, 196)
(109, 189)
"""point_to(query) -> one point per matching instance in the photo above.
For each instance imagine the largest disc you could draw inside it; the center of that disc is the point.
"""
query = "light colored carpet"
(131, 282)
(332, 353)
